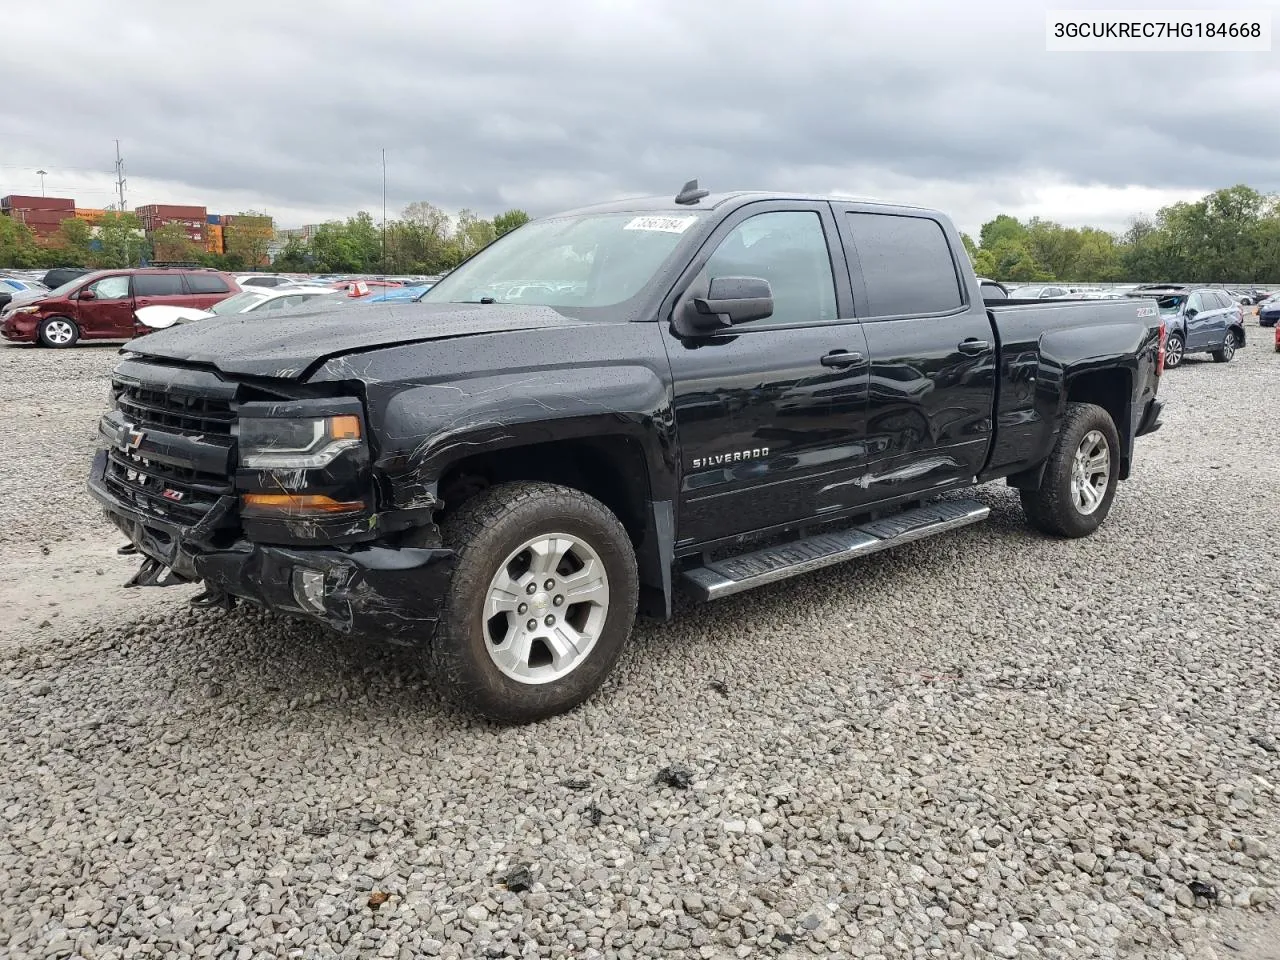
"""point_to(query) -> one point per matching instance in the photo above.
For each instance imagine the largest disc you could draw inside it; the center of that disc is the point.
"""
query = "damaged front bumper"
(393, 593)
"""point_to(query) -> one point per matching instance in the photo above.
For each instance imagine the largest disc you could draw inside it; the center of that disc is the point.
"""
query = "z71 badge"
(737, 456)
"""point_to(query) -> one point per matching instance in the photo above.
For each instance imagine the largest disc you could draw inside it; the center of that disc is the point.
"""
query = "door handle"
(973, 347)
(143, 303)
(841, 358)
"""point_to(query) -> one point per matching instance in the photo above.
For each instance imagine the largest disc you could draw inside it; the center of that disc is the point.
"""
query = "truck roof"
(713, 201)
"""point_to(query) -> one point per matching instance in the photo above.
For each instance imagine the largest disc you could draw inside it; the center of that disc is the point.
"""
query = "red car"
(99, 306)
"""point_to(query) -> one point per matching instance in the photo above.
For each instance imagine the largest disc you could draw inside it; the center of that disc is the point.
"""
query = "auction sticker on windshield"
(661, 224)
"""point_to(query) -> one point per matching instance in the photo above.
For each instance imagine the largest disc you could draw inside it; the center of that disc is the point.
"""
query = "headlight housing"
(14, 311)
(302, 443)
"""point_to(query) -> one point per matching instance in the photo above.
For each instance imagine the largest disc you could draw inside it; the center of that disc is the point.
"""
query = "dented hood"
(252, 345)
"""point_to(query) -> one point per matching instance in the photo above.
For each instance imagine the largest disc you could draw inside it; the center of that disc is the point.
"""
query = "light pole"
(41, 175)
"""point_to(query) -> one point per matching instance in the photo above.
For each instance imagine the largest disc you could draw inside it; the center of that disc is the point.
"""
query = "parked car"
(1038, 292)
(100, 306)
(23, 290)
(256, 300)
(269, 280)
(992, 289)
(810, 369)
(1269, 310)
(406, 294)
(1197, 320)
(60, 275)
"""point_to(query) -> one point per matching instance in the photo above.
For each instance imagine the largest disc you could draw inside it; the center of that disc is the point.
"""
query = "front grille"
(173, 412)
(178, 494)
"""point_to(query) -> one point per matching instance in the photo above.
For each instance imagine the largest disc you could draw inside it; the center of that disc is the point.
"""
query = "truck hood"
(289, 346)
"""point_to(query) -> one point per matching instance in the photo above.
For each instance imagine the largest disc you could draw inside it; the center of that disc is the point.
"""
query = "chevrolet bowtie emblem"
(133, 438)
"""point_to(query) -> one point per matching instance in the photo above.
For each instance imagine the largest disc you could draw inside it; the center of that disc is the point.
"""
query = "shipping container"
(17, 202)
(214, 218)
(172, 211)
(90, 214)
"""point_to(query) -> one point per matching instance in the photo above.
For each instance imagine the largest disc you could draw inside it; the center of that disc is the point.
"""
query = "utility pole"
(384, 209)
(120, 181)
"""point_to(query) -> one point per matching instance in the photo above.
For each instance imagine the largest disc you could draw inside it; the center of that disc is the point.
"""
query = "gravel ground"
(985, 745)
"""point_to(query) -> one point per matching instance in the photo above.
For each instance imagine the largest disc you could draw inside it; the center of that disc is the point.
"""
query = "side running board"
(723, 578)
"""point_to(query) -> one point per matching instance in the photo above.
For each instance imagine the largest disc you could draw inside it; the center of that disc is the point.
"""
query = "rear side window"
(157, 285)
(206, 283)
(906, 264)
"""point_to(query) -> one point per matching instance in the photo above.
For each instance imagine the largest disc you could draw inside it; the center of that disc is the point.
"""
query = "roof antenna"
(690, 194)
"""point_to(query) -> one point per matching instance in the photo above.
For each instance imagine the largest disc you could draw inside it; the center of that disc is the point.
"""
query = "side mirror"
(728, 301)
(86, 295)
(1191, 312)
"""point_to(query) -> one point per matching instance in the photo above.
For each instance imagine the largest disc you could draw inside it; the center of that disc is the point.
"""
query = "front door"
(933, 354)
(770, 414)
(108, 312)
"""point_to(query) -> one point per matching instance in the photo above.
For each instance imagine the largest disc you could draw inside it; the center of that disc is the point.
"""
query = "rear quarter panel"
(1044, 347)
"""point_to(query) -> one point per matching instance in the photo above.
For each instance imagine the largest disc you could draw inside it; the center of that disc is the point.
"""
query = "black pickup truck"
(712, 392)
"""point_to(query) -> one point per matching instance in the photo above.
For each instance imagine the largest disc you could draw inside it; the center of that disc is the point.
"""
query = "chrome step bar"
(723, 578)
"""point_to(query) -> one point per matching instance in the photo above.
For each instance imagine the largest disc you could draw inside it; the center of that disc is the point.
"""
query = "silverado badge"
(736, 457)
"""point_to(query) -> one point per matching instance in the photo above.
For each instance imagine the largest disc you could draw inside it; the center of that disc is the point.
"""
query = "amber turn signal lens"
(345, 427)
(298, 504)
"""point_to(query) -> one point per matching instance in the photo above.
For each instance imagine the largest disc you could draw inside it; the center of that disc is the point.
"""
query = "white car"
(265, 281)
(253, 300)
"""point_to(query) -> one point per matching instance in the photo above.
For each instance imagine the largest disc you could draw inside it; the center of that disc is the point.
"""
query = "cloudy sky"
(491, 104)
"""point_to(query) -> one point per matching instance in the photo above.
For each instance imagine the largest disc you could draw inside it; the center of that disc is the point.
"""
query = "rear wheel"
(1174, 350)
(1080, 477)
(59, 332)
(541, 603)
(1228, 348)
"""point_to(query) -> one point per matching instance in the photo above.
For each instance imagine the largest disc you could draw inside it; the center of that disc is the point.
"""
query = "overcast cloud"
(491, 104)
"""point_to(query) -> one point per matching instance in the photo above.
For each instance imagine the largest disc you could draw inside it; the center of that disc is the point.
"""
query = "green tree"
(121, 241)
(170, 243)
(294, 258)
(17, 243)
(472, 233)
(970, 247)
(506, 222)
(248, 236)
(1003, 227)
(73, 243)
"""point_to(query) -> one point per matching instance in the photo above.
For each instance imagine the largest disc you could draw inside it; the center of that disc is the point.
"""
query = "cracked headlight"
(297, 444)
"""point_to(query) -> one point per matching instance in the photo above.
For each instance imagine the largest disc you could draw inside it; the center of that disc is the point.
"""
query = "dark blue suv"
(1198, 320)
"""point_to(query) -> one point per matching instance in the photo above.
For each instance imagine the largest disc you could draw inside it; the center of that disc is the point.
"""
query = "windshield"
(239, 303)
(75, 283)
(590, 261)
(1170, 305)
(1025, 293)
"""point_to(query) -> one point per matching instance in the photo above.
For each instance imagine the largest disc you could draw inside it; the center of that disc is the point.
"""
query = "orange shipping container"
(214, 243)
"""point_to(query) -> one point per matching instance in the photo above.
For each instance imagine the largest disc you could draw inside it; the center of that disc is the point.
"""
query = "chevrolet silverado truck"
(706, 393)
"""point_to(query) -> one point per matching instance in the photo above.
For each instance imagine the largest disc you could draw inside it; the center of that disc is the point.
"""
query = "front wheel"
(59, 332)
(1080, 477)
(541, 602)
(1174, 350)
(1228, 350)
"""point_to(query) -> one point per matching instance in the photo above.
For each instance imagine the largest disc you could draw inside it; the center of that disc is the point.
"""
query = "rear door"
(933, 353)
(108, 312)
(206, 289)
(770, 414)
(160, 289)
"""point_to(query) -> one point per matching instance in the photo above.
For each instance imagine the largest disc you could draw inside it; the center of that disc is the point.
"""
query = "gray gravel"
(985, 745)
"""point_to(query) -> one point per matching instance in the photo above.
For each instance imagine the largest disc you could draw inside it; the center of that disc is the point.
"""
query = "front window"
(111, 288)
(590, 261)
(1170, 306)
(239, 303)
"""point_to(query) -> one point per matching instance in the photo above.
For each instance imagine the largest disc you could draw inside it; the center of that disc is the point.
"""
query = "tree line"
(424, 240)
(1228, 236)
(117, 240)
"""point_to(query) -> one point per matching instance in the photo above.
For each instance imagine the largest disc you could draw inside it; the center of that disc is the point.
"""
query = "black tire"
(1052, 508)
(484, 532)
(50, 332)
(1175, 348)
(1228, 350)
